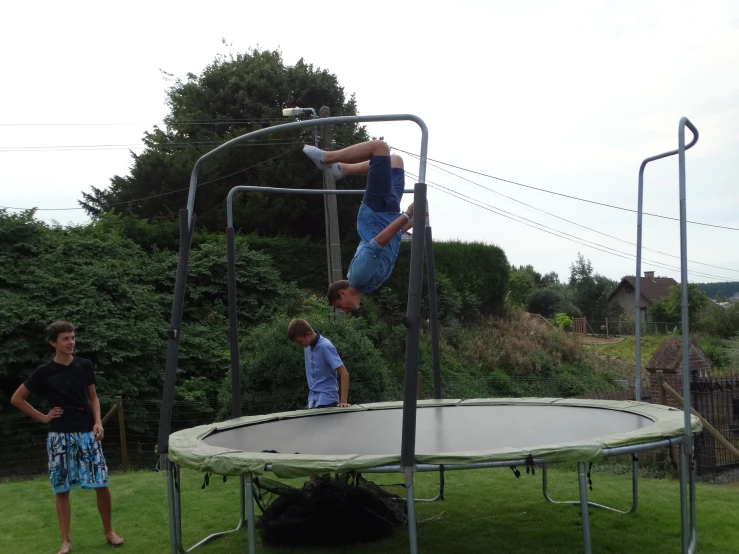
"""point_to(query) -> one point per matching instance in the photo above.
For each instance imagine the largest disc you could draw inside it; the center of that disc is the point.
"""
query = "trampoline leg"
(693, 527)
(584, 508)
(177, 507)
(173, 528)
(634, 491)
(684, 516)
(411, 511)
(250, 515)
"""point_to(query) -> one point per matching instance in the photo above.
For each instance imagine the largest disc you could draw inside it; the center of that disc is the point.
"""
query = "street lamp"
(296, 112)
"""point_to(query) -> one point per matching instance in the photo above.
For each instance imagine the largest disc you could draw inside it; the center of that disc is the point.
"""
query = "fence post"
(122, 427)
(607, 328)
(660, 383)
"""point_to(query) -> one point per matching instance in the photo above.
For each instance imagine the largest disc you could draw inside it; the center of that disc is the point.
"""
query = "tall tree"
(232, 96)
(590, 290)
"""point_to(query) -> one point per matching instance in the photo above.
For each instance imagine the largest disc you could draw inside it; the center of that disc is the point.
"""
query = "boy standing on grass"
(75, 429)
(322, 367)
(380, 223)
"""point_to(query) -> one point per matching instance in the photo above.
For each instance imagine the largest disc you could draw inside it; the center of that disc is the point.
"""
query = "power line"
(171, 123)
(573, 222)
(163, 146)
(556, 232)
(164, 193)
(564, 195)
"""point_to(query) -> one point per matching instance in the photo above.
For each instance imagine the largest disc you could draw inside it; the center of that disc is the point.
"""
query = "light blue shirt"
(321, 362)
(372, 264)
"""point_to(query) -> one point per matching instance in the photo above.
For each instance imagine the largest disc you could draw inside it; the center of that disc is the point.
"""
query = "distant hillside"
(727, 289)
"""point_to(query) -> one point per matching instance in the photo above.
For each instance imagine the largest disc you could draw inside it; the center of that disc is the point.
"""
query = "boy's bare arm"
(97, 427)
(19, 401)
(344, 377)
(384, 236)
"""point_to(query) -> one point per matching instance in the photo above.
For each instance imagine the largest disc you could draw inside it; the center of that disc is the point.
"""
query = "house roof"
(651, 288)
(669, 354)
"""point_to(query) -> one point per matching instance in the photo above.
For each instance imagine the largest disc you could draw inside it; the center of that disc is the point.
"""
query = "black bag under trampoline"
(328, 511)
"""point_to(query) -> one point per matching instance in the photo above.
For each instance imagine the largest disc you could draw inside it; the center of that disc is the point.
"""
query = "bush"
(544, 302)
(273, 368)
(564, 322)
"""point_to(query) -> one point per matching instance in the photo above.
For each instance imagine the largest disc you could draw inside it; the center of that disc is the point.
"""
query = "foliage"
(232, 96)
(471, 280)
(544, 302)
(669, 308)
(718, 321)
(273, 368)
(726, 289)
(732, 353)
(590, 291)
(119, 298)
(564, 321)
(521, 284)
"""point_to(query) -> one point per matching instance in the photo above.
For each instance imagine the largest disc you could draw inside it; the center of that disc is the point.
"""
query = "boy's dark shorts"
(385, 185)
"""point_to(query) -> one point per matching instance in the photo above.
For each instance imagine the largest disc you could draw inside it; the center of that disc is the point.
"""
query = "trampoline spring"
(530, 465)
(590, 481)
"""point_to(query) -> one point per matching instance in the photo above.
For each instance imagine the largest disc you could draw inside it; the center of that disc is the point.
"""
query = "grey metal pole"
(433, 312)
(411, 501)
(250, 515)
(637, 291)
(584, 509)
(688, 439)
(173, 344)
(684, 519)
(233, 325)
(686, 454)
(171, 509)
(412, 322)
(331, 211)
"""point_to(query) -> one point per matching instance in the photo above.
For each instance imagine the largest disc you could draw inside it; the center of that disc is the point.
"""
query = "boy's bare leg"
(355, 153)
(64, 515)
(105, 509)
(355, 169)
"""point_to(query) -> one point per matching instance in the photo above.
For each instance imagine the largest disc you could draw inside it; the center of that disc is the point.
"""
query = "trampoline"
(450, 432)
(416, 435)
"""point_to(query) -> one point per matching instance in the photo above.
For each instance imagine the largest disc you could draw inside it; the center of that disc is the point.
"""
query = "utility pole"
(331, 211)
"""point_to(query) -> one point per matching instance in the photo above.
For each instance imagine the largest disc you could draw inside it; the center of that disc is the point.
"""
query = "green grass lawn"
(484, 511)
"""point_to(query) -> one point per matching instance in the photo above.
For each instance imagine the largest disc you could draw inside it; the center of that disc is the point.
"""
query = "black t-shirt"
(66, 386)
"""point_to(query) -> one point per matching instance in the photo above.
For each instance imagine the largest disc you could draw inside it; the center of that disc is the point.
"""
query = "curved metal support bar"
(634, 492)
(298, 125)
(640, 205)
(279, 190)
(174, 490)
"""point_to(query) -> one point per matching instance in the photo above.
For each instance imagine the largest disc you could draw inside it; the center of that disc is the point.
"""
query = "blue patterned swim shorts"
(75, 460)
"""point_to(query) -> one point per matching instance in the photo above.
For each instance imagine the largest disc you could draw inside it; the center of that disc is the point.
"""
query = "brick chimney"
(649, 274)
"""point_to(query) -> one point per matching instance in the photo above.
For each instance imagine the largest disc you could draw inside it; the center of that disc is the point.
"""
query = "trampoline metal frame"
(412, 322)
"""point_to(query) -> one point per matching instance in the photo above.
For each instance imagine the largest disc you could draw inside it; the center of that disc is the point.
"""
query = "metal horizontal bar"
(631, 449)
(308, 123)
(280, 190)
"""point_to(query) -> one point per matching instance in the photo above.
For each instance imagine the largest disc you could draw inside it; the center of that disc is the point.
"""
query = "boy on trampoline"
(380, 223)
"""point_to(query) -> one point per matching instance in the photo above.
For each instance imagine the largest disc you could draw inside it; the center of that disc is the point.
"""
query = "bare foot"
(66, 547)
(113, 539)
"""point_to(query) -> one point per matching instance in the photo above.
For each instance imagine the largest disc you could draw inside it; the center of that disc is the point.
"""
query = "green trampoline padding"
(305, 442)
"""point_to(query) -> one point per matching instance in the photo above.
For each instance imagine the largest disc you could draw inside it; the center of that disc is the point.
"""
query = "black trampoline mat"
(438, 429)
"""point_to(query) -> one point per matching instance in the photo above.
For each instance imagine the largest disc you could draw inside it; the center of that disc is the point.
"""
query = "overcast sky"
(568, 96)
